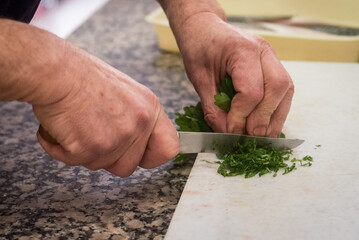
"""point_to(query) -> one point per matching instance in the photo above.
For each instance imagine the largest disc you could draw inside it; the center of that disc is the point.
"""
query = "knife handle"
(46, 136)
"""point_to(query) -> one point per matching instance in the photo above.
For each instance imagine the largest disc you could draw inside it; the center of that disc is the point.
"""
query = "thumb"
(205, 85)
(163, 143)
(214, 116)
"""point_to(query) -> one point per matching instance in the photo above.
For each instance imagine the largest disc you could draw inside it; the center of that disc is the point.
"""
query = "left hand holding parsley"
(211, 49)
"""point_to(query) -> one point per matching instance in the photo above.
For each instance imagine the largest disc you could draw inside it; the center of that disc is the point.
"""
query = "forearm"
(28, 58)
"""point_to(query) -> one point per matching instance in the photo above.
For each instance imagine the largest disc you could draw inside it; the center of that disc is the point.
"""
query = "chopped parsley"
(249, 159)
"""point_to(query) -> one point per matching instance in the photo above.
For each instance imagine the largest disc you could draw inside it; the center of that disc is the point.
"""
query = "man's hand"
(107, 120)
(101, 118)
(211, 48)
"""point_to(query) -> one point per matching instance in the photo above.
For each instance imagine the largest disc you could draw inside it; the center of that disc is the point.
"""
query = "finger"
(248, 83)
(127, 162)
(280, 114)
(55, 150)
(213, 115)
(58, 152)
(163, 143)
(46, 135)
(276, 85)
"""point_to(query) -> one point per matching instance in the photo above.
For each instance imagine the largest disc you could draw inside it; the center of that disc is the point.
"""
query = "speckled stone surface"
(41, 198)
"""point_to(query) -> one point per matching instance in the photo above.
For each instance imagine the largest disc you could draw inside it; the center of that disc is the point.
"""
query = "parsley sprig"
(226, 93)
(193, 118)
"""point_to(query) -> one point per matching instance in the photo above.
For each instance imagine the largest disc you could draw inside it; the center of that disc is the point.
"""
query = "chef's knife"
(195, 142)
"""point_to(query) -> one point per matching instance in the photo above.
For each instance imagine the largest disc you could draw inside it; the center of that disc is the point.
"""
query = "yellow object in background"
(342, 12)
(296, 37)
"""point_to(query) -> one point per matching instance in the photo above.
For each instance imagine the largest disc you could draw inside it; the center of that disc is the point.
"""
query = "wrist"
(188, 19)
(179, 11)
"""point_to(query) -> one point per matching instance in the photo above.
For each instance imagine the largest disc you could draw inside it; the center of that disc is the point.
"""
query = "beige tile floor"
(65, 16)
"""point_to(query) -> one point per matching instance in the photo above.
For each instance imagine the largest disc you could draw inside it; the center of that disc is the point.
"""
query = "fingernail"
(260, 131)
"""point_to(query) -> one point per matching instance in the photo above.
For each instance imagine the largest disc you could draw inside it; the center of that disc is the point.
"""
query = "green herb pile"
(246, 158)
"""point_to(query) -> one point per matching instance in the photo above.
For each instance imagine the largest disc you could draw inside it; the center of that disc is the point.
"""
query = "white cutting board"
(317, 202)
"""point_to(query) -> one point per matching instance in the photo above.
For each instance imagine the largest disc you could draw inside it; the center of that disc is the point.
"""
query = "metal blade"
(195, 142)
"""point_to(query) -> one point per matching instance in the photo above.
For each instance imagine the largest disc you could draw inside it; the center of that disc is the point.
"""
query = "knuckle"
(265, 112)
(215, 118)
(100, 146)
(73, 147)
(252, 95)
(76, 150)
(140, 121)
(143, 117)
(291, 89)
(126, 130)
(281, 83)
(255, 96)
(277, 125)
(280, 120)
(167, 155)
(169, 150)
(210, 118)
(262, 43)
(83, 148)
(266, 47)
(172, 151)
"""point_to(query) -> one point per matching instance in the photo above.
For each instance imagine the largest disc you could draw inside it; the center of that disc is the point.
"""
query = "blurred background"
(62, 17)
(301, 30)
(298, 30)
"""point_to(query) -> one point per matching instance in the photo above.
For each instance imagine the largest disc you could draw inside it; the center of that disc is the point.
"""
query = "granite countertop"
(41, 198)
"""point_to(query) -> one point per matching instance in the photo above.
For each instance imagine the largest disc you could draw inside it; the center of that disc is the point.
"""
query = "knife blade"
(195, 142)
